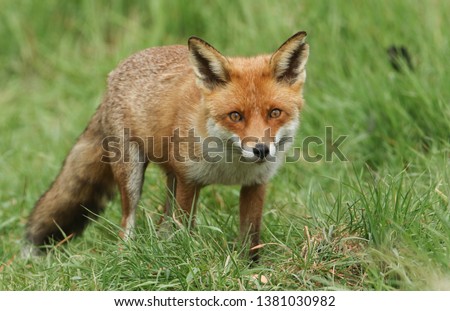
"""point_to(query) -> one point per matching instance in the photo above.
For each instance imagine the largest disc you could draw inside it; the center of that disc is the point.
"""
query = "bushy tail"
(82, 189)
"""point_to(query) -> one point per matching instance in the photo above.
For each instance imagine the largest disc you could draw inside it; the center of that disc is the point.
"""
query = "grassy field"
(378, 221)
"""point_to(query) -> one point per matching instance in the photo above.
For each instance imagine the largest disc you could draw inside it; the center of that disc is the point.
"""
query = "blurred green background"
(377, 221)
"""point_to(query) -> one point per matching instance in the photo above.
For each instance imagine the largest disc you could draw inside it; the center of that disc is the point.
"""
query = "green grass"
(379, 221)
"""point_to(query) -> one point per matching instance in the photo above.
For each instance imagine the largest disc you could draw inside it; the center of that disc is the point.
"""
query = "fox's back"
(150, 67)
(144, 90)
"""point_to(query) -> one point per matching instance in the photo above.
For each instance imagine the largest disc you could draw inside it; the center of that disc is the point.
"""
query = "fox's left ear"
(289, 61)
(210, 67)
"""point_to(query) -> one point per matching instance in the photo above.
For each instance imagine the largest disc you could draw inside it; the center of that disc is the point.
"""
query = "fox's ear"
(210, 67)
(288, 62)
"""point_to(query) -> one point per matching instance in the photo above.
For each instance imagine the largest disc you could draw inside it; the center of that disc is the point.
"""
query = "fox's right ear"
(289, 61)
(210, 67)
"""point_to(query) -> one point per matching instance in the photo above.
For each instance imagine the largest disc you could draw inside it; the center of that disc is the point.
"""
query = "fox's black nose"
(261, 151)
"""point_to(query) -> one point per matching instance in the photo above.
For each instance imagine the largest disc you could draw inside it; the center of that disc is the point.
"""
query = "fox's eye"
(275, 113)
(235, 116)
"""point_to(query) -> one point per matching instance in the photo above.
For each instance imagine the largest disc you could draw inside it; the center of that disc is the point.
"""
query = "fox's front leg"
(182, 197)
(251, 207)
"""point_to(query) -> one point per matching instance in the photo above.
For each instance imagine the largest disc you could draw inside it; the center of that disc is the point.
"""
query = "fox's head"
(252, 103)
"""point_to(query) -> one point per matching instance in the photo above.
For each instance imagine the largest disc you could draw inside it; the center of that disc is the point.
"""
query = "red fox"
(202, 117)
